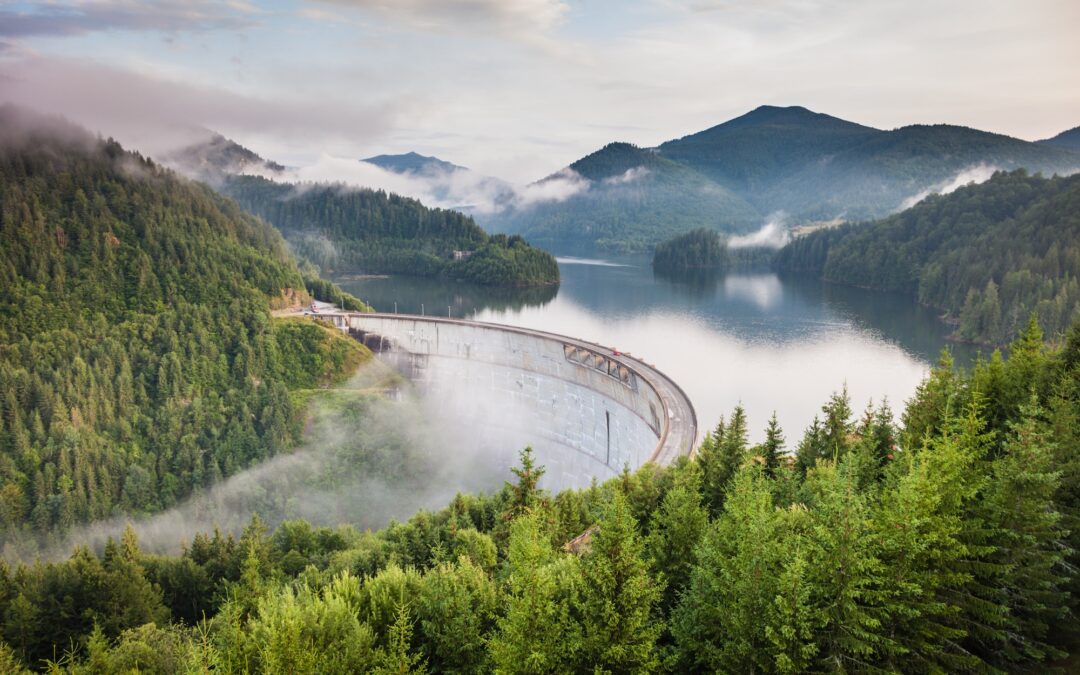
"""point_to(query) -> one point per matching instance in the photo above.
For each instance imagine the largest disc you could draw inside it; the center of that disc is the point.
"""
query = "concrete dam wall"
(586, 410)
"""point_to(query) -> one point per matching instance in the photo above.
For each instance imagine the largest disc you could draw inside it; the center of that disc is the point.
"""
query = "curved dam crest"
(587, 410)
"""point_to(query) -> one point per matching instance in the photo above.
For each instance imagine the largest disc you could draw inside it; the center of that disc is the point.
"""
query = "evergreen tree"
(675, 533)
(720, 456)
(1029, 546)
(772, 450)
(537, 633)
(719, 624)
(618, 598)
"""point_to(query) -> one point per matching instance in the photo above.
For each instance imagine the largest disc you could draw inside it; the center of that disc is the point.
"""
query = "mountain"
(894, 169)
(412, 162)
(989, 255)
(817, 167)
(805, 165)
(753, 151)
(1070, 140)
(140, 361)
(216, 157)
(339, 227)
(625, 198)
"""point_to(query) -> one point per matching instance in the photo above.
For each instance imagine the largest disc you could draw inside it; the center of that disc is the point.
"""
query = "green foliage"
(941, 546)
(696, 250)
(989, 255)
(630, 200)
(336, 227)
(138, 361)
(617, 599)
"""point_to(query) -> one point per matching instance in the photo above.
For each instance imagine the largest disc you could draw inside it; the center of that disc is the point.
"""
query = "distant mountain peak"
(218, 156)
(413, 162)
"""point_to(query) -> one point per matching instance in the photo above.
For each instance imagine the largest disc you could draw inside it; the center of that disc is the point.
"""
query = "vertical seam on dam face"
(595, 409)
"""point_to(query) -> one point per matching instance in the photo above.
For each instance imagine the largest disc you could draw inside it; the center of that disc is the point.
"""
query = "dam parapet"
(587, 410)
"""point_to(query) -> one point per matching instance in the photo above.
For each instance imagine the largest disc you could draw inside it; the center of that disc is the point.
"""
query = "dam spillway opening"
(586, 410)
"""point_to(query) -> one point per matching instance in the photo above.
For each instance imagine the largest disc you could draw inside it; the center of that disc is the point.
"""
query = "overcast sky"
(520, 88)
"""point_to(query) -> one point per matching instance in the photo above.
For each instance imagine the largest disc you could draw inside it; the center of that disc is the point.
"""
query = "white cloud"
(158, 114)
(773, 234)
(459, 189)
(514, 17)
(628, 176)
(972, 174)
(167, 16)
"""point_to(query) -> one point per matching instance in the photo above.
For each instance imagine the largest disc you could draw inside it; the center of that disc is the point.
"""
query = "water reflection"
(772, 343)
(441, 297)
(763, 290)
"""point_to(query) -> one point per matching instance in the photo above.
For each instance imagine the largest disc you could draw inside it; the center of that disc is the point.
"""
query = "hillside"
(216, 157)
(370, 230)
(632, 199)
(138, 358)
(817, 167)
(1070, 140)
(891, 170)
(988, 254)
(850, 545)
(752, 152)
(805, 165)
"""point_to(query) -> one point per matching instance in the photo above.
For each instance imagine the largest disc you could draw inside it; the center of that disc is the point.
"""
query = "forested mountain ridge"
(138, 358)
(217, 157)
(336, 227)
(630, 200)
(945, 543)
(1066, 139)
(817, 167)
(987, 254)
(806, 165)
(753, 150)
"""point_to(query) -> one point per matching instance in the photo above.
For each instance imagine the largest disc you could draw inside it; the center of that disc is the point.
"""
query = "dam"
(587, 410)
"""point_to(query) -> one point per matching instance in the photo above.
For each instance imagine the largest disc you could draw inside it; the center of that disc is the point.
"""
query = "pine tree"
(398, 658)
(719, 624)
(844, 571)
(772, 449)
(792, 620)
(675, 533)
(720, 456)
(1029, 546)
(618, 598)
(537, 633)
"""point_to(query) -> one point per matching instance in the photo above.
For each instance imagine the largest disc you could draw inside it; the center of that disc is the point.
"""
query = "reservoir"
(754, 338)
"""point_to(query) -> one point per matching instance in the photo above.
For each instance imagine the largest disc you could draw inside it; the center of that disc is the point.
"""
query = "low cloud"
(459, 189)
(973, 174)
(167, 16)
(558, 187)
(773, 234)
(156, 115)
(628, 176)
(513, 17)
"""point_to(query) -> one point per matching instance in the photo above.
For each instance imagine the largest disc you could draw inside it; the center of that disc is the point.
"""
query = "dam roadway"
(587, 409)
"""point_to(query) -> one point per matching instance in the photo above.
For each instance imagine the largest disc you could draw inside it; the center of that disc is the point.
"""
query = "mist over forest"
(539, 336)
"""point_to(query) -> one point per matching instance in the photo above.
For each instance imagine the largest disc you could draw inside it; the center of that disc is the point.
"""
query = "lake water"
(768, 342)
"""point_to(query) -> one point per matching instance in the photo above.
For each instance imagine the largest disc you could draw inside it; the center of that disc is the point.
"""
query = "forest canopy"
(946, 541)
(338, 227)
(988, 255)
(138, 357)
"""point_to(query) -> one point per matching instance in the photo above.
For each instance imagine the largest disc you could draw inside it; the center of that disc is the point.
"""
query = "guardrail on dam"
(587, 410)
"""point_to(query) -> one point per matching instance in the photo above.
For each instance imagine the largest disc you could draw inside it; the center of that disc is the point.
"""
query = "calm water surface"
(768, 342)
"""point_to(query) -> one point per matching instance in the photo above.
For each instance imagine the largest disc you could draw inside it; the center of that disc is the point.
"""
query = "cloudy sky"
(520, 88)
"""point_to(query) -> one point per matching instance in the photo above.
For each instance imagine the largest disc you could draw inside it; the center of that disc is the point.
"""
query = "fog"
(773, 234)
(365, 459)
(977, 173)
